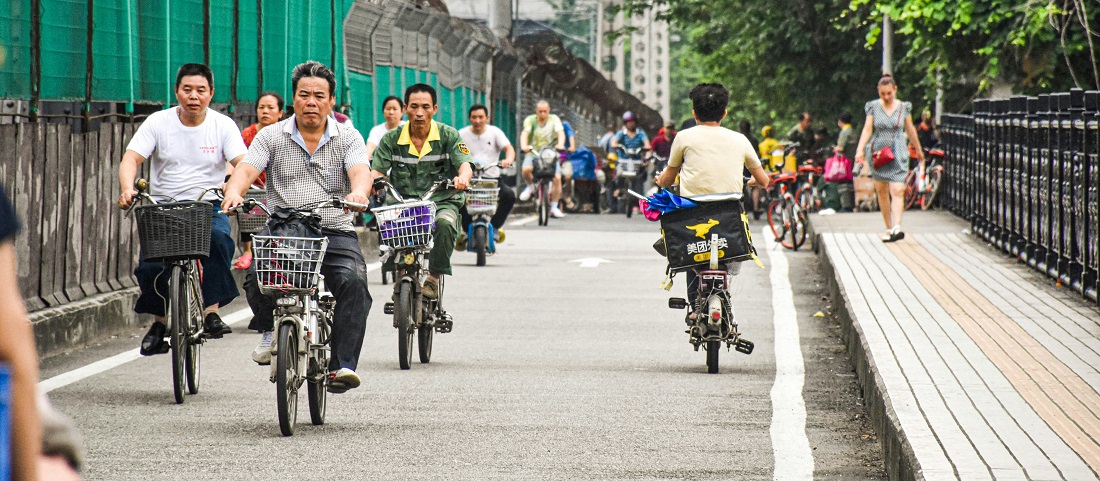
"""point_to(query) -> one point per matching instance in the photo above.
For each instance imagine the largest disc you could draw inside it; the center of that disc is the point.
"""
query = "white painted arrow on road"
(590, 261)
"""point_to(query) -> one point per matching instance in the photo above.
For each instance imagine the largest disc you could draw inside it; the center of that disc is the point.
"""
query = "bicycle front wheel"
(403, 311)
(544, 204)
(193, 344)
(911, 192)
(179, 306)
(797, 226)
(775, 220)
(286, 378)
(481, 243)
(712, 348)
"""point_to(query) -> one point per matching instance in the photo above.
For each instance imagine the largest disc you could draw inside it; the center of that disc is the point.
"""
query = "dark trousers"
(346, 278)
(218, 286)
(505, 202)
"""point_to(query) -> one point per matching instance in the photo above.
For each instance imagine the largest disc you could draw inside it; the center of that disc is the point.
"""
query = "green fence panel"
(64, 38)
(221, 49)
(362, 112)
(248, 85)
(111, 46)
(186, 45)
(275, 30)
(15, 50)
(151, 55)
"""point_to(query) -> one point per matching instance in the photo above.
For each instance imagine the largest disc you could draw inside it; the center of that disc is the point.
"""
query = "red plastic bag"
(838, 168)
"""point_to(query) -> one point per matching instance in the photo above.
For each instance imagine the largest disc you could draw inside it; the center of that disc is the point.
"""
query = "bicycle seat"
(936, 153)
(802, 169)
(784, 177)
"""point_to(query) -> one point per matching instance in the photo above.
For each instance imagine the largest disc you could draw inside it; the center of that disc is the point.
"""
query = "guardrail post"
(1039, 258)
(993, 166)
(1091, 201)
(1074, 182)
(1056, 265)
(981, 143)
(1031, 182)
(1016, 175)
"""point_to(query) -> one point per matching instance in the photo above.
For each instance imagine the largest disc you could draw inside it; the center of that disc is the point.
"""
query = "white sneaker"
(262, 353)
(526, 194)
(826, 211)
(556, 213)
(342, 380)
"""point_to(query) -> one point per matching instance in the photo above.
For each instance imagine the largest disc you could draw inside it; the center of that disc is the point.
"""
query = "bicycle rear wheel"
(403, 311)
(179, 306)
(194, 342)
(712, 348)
(425, 335)
(287, 378)
(316, 389)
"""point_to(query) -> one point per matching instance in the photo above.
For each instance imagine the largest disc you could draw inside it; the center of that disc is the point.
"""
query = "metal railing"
(1026, 172)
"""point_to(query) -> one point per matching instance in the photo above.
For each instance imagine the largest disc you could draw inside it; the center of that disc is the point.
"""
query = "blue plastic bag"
(664, 202)
(584, 163)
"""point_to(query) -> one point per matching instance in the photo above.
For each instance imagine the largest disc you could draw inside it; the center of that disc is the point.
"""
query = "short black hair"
(744, 127)
(709, 101)
(271, 93)
(420, 88)
(845, 117)
(803, 116)
(477, 107)
(391, 98)
(189, 69)
(313, 68)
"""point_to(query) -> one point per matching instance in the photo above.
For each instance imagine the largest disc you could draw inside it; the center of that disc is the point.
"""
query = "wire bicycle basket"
(406, 225)
(288, 265)
(254, 220)
(481, 197)
(176, 230)
(629, 167)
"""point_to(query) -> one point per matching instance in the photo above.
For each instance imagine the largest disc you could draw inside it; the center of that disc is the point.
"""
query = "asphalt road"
(554, 371)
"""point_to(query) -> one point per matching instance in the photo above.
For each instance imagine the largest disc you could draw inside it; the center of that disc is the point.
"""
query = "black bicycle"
(178, 234)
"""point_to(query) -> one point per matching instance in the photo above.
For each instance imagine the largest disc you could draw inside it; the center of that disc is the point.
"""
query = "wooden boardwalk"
(974, 366)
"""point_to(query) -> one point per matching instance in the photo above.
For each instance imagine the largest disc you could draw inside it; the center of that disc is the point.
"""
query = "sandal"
(895, 235)
(243, 262)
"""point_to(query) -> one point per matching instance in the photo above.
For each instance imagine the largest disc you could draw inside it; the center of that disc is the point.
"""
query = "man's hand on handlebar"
(460, 183)
(231, 200)
(358, 199)
(127, 198)
(525, 148)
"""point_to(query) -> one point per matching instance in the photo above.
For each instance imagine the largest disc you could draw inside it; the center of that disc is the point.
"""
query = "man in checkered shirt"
(311, 158)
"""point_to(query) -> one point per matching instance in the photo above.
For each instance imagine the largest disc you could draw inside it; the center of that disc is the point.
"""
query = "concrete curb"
(72, 326)
(899, 458)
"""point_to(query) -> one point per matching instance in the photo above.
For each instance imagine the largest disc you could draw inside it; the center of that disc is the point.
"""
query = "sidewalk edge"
(69, 327)
(898, 455)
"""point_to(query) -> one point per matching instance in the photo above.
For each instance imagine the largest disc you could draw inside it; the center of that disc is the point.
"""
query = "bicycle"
(178, 234)
(544, 176)
(808, 193)
(289, 269)
(406, 231)
(629, 175)
(481, 204)
(923, 186)
(785, 216)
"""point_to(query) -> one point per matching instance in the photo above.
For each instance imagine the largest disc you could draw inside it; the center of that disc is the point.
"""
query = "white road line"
(790, 446)
(526, 220)
(64, 379)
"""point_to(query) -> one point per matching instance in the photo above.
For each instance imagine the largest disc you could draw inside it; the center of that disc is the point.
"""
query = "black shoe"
(153, 343)
(214, 327)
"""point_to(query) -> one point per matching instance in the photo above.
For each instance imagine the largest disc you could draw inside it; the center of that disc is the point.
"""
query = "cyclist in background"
(567, 165)
(393, 109)
(802, 133)
(540, 131)
(630, 137)
(486, 142)
(187, 147)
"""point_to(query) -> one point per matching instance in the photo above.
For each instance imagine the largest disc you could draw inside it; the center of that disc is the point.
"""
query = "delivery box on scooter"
(688, 233)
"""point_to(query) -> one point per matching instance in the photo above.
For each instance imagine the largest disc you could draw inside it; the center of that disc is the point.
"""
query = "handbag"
(885, 155)
(838, 168)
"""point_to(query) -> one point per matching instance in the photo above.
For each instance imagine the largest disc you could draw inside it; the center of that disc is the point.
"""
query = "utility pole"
(887, 45)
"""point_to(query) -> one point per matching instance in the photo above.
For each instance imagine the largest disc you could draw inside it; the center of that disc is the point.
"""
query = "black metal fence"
(1026, 172)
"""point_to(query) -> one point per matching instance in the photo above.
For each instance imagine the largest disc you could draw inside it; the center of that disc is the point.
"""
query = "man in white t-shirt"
(486, 142)
(540, 131)
(188, 147)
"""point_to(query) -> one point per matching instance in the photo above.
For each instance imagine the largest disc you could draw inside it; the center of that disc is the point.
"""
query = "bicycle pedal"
(444, 324)
(388, 308)
(743, 346)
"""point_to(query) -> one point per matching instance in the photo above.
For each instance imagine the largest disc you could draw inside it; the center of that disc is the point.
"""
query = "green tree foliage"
(776, 59)
(824, 56)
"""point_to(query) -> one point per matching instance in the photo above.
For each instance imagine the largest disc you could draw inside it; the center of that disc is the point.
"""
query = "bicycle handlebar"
(443, 184)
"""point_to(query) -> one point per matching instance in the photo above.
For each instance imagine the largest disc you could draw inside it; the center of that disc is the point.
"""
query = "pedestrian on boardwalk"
(887, 126)
(269, 109)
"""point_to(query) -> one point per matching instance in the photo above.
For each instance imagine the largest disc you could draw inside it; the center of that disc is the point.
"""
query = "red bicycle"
(923, 185)
(785, 216)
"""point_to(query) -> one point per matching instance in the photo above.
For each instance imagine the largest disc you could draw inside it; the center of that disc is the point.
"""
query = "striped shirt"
(296, 178)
